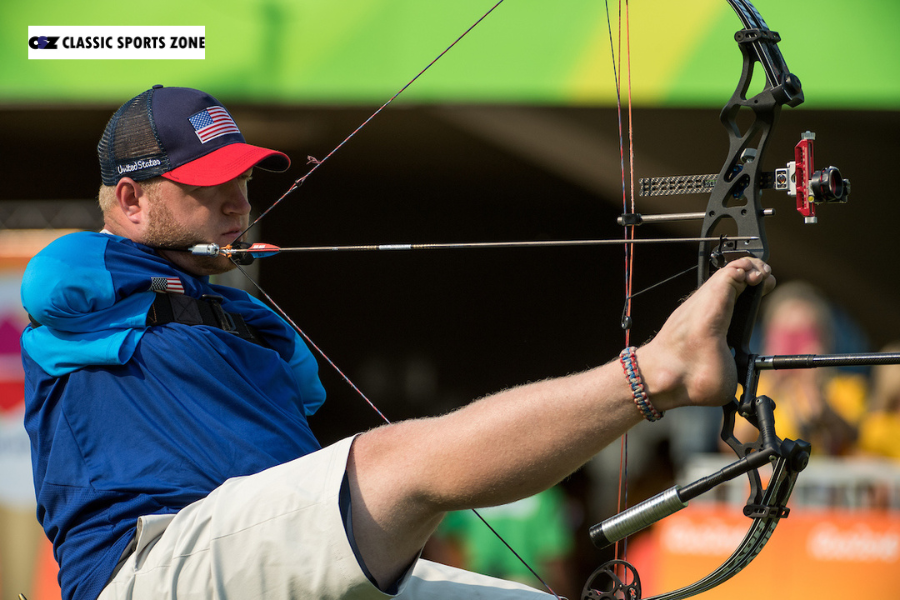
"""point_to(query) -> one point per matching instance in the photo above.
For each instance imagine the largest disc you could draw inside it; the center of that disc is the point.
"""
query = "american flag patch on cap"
(212, 122)
(166, 284)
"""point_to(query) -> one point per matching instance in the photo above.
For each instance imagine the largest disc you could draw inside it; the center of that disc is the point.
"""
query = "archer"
(168, 416)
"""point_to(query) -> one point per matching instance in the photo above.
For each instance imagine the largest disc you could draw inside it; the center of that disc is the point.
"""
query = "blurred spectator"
(821, 406)
(537, 527)
(879, 431)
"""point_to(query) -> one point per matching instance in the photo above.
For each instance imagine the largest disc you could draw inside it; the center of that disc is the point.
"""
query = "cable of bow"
(318, 163)
(629, 239)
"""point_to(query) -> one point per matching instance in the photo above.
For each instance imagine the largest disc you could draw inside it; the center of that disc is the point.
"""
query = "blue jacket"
(127, 420)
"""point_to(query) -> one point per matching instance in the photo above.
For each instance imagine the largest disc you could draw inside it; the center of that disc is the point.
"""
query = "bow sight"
(798, 178)
(811, 187)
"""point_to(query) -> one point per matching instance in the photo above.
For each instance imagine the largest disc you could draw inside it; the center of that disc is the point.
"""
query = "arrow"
(262, 250)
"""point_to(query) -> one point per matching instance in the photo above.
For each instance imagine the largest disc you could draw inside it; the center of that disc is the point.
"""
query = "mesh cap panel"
(129, 146)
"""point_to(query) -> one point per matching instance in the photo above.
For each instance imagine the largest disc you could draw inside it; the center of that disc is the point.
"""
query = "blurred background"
(512, 135)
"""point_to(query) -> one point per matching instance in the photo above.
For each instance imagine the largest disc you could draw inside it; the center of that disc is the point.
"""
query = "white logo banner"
(116, 42)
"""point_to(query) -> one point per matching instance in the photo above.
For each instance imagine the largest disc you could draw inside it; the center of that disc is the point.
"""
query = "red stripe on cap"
(228, 163)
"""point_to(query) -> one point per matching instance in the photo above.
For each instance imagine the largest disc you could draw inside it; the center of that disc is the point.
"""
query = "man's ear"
(131, 198)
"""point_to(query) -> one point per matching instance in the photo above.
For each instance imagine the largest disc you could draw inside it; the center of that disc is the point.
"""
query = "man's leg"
(404, 477)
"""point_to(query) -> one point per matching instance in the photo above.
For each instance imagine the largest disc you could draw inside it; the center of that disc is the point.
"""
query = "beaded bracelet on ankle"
(628, 358)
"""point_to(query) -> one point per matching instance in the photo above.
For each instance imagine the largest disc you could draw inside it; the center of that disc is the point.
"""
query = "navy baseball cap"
(182, 134)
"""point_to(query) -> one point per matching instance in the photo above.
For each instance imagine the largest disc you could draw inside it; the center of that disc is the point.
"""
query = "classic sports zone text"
(121, 42)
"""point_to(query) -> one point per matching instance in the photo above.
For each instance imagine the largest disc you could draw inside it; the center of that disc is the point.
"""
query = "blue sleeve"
(68, 288)
(305, 370)
(67, 284)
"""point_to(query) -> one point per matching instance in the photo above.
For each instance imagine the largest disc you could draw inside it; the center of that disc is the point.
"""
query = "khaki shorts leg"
(276, 535)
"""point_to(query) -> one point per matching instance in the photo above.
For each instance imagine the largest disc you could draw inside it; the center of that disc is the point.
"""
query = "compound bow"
(735, 194)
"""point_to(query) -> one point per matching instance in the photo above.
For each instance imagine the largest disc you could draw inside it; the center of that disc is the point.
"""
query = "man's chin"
(210, 265)
(221, 267)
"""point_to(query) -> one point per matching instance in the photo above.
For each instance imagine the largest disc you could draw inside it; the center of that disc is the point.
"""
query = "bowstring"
(632, 228)
(374, 407)
(318, 163)
(296, 185)
(309, 341)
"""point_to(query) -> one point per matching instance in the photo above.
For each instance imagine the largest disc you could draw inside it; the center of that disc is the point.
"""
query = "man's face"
(181, 216)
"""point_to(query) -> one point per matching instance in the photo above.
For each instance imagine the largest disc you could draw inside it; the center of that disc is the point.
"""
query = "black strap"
(206, 310)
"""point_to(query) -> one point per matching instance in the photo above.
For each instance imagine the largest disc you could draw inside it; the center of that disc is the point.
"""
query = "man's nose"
(236, 197)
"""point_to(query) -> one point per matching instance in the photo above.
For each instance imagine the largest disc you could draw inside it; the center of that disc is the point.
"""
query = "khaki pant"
(277, 534)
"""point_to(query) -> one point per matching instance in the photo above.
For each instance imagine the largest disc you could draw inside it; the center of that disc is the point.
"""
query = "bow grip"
(743, 318)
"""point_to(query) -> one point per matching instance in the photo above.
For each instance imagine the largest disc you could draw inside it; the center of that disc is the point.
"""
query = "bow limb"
(752, 544)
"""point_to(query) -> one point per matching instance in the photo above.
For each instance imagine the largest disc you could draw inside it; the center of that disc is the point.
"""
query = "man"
(171, 452)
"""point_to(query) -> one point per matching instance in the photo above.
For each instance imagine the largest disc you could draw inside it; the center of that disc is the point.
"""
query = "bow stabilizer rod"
(818, 361)
(669, 502)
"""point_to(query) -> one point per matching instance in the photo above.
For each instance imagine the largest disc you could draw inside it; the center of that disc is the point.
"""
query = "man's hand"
(689, 362)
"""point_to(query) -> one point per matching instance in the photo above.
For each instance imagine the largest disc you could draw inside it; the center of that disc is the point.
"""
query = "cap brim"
(227, 163)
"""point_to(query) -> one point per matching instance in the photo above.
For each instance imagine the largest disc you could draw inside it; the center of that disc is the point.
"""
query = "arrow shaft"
(270, 250)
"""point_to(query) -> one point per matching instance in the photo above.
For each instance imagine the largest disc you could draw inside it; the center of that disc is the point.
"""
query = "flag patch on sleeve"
(172, 285)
